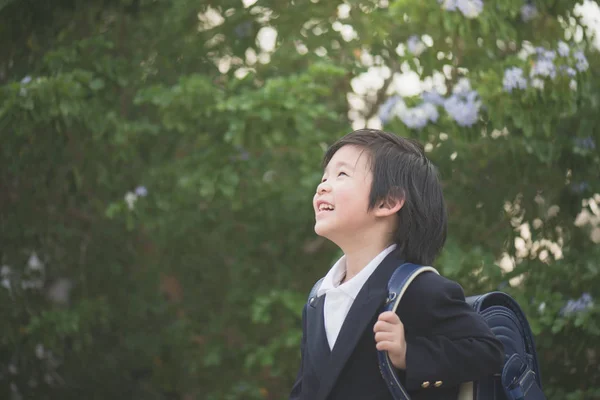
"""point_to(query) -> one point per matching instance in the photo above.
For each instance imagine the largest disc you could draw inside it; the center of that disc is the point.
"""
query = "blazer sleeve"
(297, 388)
(447, 342)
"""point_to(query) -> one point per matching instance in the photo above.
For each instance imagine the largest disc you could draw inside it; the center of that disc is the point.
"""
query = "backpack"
(520, 378)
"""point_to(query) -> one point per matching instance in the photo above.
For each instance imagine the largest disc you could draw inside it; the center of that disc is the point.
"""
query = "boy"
(381, 202)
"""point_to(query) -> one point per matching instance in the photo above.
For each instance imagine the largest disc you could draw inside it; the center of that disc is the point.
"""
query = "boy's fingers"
(383, 326)
(390, 317)
(384, 337)
(385, 346)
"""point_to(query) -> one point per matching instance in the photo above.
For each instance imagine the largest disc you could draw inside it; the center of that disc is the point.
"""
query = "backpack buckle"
(391, 297)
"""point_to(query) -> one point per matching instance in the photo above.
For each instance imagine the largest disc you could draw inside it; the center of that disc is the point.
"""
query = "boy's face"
(342, 199)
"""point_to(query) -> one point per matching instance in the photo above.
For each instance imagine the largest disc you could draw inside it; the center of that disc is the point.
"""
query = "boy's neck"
(357, 257)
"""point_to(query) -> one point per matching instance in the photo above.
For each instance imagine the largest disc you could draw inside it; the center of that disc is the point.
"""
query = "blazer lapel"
(317, 345)
(365, 306)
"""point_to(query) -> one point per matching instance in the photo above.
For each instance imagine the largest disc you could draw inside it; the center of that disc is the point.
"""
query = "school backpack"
(520, 377)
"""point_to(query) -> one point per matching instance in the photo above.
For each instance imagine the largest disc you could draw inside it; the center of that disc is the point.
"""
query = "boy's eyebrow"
(341, 164)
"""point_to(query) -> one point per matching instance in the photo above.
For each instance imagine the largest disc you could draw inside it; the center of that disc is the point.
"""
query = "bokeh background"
(158, 160)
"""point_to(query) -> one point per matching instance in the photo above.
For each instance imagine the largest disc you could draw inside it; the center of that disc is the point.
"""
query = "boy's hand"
(389, 336)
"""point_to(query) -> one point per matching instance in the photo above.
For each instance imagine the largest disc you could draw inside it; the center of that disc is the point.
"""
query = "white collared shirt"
(339, 298)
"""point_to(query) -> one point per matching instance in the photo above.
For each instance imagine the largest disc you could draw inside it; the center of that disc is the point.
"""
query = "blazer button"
(425, 385)
(438, 383)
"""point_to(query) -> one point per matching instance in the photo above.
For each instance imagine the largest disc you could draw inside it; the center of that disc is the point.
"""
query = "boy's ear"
(389, 206)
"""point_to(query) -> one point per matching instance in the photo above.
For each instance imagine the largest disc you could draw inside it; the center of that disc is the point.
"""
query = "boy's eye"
(342, 173)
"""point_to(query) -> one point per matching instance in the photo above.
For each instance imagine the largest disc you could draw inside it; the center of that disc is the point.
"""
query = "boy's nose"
(323, 187)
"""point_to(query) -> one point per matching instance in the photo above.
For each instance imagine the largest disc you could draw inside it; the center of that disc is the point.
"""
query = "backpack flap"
(520, 378)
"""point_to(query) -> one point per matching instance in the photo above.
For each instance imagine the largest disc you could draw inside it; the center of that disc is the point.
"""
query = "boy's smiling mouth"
(323, 206)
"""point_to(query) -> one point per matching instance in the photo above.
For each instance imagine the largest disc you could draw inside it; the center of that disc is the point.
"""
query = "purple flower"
(586, 298)
(462, 87)
(581, 62)
(567, 70)
(470, 8)
(563, 49)
(528, 12)
(415, 46)
(418, 117)
(433, 97)
(464, 109)
(585, 143)
(545, 54)
(580, 187)
(543, 67)
(26, 80)
(431, 111)
(412, 42)
(548, 55)
(577, 306)
(141, 191)
(414, 118)
(514, 79)
(386, 109)
(569, 308)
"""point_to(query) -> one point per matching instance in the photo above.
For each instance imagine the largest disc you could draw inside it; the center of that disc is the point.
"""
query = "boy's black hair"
(401, 170)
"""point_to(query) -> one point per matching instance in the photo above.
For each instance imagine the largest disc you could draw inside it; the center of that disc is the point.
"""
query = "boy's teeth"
(325, 207)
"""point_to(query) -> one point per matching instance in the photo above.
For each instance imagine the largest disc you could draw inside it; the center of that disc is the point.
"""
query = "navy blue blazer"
(448, 343)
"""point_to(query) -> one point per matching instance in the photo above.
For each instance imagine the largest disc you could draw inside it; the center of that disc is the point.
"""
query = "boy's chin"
(325, 231)
(321, 229)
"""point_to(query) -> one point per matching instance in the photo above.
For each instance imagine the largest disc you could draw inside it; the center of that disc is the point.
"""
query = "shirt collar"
(352, 287)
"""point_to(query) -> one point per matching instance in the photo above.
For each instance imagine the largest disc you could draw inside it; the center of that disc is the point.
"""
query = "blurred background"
(158, 159)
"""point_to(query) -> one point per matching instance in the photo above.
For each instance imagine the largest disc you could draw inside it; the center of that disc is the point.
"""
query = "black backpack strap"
(397, 285)
(313, 292)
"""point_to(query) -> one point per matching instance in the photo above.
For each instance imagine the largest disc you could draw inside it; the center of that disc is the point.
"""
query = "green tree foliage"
(158, 160)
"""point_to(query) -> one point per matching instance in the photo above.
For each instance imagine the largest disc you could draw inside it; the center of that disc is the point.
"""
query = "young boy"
(381, 202)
